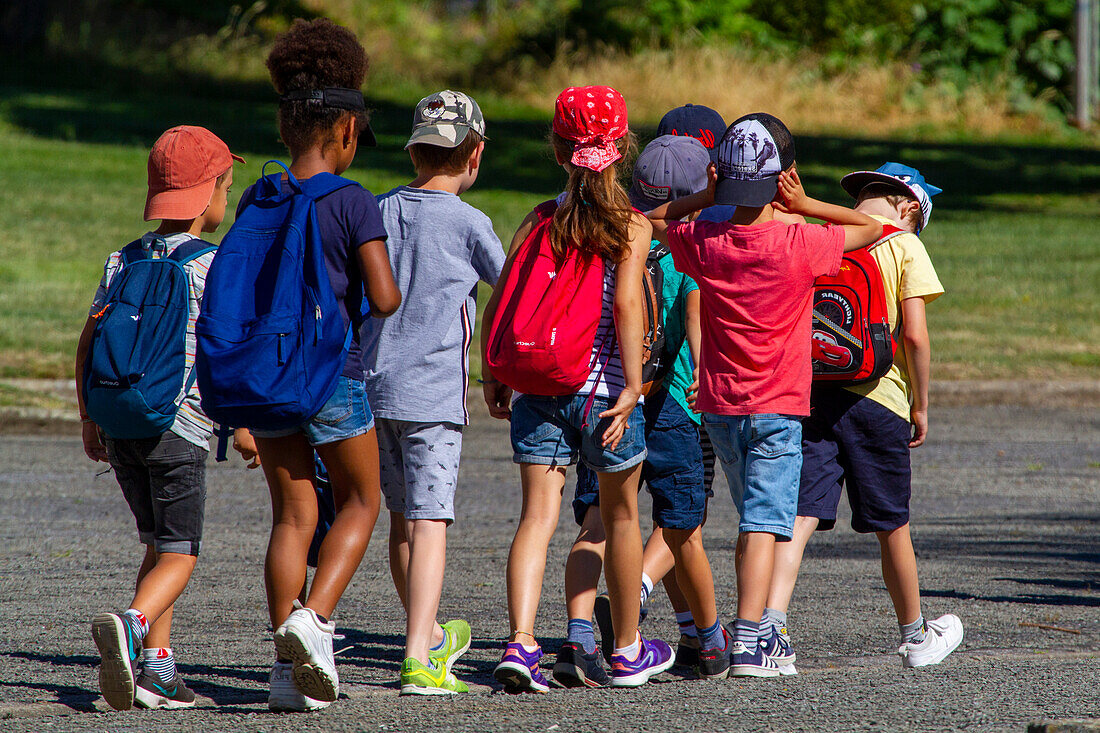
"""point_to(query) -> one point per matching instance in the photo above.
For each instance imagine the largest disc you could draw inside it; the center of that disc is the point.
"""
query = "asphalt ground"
(1006, 524)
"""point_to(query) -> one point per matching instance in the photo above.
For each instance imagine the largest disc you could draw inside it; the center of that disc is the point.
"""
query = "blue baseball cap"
(669, 168)
(905, 179)
(697, 121)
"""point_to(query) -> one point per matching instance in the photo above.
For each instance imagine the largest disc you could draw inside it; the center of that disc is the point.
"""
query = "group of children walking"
(641, 333)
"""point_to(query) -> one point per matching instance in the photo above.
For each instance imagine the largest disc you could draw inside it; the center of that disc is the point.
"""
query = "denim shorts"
(164, 482)
(345, 415)
(554, 431)
(673, 468)
(852, 442)
(762, 458)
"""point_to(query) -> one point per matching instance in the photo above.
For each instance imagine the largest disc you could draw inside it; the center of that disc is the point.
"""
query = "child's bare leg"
(353, 469)
(427, 560)
(899, 571)
(788, 560)
(675, 594)
(693, 574)
(623, 566)
(657, 558)
(542, 492)
(583, 568)
(399, 557)
(754, 574)
(288, 466)
(157, 589)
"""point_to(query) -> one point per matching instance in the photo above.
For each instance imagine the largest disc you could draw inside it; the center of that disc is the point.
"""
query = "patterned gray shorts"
(419, 466)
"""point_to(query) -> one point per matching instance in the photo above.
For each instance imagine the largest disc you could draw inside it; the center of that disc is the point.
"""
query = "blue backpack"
(135, 376)
(271, 340)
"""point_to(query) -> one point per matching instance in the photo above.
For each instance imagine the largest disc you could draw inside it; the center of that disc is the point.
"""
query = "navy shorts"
(673, 469)
(854, 442)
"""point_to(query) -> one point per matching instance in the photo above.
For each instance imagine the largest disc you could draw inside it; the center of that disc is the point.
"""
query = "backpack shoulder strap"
(322, 184)
(133, 252)
(546, 209)
(192, 250)
(659, 251)
(889, 231)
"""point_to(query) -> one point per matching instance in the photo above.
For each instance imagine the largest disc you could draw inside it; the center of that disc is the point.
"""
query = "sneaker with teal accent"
(119, 650)
(151, 693)
(434, 679)
(456, 642)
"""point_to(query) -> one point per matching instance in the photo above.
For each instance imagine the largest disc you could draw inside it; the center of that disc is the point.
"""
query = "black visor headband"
(338, 98)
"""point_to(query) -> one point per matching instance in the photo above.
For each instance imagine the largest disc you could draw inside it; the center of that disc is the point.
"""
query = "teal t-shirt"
(674, 294)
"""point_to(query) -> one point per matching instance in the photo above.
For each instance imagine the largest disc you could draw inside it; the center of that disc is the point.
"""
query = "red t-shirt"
(756, 284)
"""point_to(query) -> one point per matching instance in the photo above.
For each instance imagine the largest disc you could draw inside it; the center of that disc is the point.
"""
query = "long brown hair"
(596, 214)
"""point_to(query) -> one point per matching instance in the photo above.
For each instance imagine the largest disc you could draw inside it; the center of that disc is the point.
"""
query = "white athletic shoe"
(284, 696)
(943, 636)
(307, 642)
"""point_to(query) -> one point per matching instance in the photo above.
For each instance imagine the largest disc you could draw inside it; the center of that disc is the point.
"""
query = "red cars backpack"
(544, 327)
(852, 342)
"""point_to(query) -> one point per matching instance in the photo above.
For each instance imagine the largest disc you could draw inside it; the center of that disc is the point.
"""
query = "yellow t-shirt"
(907, 272)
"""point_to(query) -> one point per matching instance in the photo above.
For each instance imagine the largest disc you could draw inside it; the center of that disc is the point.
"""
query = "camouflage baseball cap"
(444, 118)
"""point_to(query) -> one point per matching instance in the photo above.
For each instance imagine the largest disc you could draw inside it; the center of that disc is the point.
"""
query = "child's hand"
(712, 181)
(693, 389)
(791, 198)
(498, 396)
(93, 442)
(628, 399)
(245, 444)
(919, 418)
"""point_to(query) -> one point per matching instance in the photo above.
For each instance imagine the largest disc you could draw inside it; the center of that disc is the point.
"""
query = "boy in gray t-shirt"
(417, 369)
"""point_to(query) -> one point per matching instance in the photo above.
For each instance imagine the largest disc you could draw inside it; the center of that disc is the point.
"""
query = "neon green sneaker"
(420, 679)
(456, 642)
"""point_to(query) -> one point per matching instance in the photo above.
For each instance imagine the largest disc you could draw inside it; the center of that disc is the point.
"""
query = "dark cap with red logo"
(697, 121)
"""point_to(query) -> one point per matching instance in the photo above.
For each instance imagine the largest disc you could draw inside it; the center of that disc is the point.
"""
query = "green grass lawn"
(1015, 236)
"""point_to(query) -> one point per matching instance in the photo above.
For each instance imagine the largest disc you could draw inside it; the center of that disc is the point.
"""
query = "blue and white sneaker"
(777, 647)
(655, 657)
(119, 650)
(519, 670)
(756, 663)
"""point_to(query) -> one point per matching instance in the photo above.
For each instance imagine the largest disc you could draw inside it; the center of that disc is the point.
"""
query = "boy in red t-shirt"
(755, 276)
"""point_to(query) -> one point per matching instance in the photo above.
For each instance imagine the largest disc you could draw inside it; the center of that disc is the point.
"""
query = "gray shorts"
(164, 482)
(419, 466)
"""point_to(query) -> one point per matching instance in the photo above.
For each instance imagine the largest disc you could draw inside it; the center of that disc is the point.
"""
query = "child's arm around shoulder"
(673, 211)
(860, 230)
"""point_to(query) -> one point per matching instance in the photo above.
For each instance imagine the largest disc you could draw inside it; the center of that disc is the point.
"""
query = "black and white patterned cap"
(752, 154)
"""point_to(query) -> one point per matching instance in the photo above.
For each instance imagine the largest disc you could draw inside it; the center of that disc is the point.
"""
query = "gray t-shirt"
(417, 360)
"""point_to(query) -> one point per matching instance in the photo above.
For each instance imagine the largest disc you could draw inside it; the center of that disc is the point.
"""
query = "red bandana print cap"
(594, 118)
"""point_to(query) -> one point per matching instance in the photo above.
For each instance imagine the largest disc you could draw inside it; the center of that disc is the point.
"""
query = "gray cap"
(670, 167)
(444, 118)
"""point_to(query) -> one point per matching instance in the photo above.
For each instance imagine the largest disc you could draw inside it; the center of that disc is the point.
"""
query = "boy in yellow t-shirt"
(859, 437)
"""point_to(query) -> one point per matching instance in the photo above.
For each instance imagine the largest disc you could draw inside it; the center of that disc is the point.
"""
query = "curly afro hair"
(313, 55)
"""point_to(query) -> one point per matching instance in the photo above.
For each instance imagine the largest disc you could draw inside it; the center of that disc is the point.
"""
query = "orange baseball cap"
(183, 166)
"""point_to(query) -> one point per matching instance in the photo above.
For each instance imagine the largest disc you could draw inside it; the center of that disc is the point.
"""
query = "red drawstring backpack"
(541, 335)
(852, 342)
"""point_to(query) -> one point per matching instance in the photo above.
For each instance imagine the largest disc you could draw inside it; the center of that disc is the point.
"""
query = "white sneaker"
(943, 636)
(307, 642)
(284, 696)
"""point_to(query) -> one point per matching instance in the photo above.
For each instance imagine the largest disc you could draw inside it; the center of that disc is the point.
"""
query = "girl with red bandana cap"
(593, 215)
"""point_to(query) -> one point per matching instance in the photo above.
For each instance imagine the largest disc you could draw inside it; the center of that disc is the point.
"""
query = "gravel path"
(1007, 530)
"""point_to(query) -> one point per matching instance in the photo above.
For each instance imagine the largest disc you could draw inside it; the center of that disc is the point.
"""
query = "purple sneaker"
(777, 648)
(654, 658)
(519, 670)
